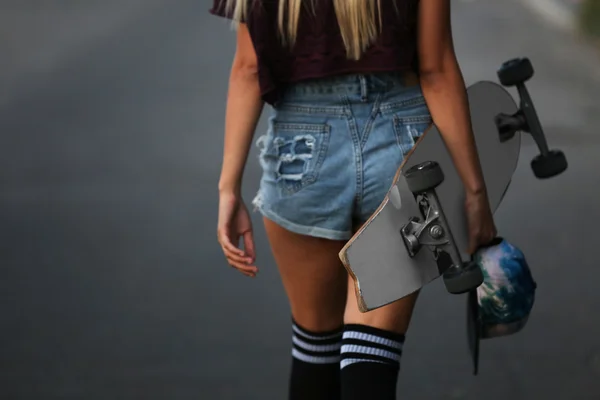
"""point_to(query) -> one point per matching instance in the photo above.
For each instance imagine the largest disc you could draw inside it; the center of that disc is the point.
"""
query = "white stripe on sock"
(315, 360)
(353, 348)
(373, 339)
(316, 347)
(350, 361)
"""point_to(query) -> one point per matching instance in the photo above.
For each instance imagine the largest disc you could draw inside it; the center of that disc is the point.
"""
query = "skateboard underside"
(376, 257)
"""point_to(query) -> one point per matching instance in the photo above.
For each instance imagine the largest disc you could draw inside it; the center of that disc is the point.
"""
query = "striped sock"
(370, 361)
(315, 371)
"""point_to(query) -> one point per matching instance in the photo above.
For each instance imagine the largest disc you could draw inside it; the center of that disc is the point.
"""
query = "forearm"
(244, 107)
(447, 100)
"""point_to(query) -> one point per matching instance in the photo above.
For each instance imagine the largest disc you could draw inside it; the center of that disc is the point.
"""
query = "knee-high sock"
(315, 373)
(370, 362)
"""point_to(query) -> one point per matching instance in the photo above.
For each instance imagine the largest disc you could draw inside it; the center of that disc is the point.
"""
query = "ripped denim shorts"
(332, 150)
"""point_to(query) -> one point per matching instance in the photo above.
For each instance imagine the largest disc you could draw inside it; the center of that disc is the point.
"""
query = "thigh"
(313, 277)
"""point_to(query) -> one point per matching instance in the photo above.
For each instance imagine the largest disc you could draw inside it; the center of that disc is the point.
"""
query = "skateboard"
(419, 232)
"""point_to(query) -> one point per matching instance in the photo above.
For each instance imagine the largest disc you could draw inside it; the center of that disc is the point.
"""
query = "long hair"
(359, 21)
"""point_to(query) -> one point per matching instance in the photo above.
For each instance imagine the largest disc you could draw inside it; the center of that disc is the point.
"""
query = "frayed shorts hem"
(313, 231)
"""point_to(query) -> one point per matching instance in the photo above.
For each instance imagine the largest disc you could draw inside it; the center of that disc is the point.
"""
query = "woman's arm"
(244, 107)
(444, 90)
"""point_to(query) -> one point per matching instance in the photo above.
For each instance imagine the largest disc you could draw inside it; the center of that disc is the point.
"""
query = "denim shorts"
(332, 149)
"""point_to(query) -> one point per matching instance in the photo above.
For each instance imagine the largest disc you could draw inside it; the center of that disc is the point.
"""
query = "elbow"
(433, 80)
(245, 69)
(440, 71)
(439, 78)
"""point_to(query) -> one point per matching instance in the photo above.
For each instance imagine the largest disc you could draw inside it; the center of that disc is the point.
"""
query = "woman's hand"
(235, 223)
(482, 229)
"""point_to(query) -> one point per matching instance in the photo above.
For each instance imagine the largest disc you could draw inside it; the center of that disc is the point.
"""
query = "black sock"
(315, 371)
(370, 362)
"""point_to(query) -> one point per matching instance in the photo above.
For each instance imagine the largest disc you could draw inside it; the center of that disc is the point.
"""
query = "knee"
(320, 313)
(394, 317)
(319, 321)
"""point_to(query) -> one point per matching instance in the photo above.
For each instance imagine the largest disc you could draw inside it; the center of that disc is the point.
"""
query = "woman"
(353, 84)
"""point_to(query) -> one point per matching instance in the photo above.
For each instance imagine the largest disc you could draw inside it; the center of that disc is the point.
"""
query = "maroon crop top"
(319, 50)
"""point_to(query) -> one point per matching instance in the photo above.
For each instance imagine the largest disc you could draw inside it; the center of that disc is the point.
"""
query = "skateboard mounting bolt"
(436, 232)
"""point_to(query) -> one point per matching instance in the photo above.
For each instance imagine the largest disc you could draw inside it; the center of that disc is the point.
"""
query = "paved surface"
(113, 286)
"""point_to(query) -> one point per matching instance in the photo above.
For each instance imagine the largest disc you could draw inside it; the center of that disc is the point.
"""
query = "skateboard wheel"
(423, 177)
(550, 165)
(515, 71)
(464, 278)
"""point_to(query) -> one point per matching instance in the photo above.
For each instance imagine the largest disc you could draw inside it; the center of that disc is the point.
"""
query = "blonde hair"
(359, 21)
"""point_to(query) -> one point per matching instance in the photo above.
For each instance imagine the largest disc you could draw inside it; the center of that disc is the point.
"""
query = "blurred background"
(112, 284)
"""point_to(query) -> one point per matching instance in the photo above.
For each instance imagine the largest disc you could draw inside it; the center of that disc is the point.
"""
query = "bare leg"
(314, 279)
(315, 282)
(322, 299)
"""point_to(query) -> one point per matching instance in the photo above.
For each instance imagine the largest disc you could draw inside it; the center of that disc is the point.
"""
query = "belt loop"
(364, 90)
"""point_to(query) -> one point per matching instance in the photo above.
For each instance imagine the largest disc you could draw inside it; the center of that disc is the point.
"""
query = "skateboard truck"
(548, 163)
(433, 231)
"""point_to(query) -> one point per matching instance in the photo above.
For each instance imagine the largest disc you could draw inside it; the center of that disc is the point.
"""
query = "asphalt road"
(113, 286)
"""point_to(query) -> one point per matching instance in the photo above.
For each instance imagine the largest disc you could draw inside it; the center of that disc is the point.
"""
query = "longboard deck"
(376, 258)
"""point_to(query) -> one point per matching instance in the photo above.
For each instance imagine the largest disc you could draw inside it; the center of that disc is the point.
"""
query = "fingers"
(481, 239)
(242, 264)
(236, 257)
(245, 269)
(227, 246)
(249, 245)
